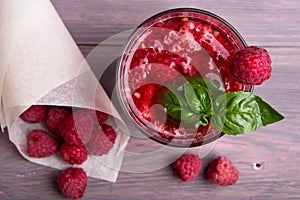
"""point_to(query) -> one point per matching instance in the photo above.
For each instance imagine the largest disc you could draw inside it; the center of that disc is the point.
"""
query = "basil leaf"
(177, 107)
(189, 117)
(236, 113)
(198, 98)
(174, 111)
(268, 114)
(192, 107)
(183, 113)
(194, 101)
(242, 112)
(174, 99)
(214, 87)
(170, 98)
(206, 105)
(199, 101)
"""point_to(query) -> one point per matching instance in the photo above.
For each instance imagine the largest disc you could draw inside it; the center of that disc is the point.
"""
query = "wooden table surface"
(274, 25)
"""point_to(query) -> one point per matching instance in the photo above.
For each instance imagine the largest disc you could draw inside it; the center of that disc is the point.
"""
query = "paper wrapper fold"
(41, 64)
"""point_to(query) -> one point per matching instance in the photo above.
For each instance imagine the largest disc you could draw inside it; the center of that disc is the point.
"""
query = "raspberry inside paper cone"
(74, 130)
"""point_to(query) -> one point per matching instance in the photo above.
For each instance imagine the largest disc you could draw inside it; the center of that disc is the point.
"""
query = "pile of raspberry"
(69, 133)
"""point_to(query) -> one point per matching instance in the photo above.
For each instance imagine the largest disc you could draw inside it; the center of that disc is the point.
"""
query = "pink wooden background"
(274, 25)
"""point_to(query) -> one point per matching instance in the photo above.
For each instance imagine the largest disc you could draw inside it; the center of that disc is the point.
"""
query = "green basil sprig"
(199, 101)
(203, 101)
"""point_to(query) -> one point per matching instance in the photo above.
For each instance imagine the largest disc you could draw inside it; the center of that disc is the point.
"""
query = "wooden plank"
(21, 176)
(260, 22)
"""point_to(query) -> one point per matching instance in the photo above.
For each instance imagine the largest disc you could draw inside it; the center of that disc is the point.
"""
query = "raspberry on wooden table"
(72, 182)
(187, 167)
(222, 172)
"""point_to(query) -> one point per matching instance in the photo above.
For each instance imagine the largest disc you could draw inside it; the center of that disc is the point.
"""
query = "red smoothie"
(167, 51)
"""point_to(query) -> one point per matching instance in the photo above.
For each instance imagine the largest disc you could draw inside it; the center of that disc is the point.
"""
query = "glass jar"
(166, 50)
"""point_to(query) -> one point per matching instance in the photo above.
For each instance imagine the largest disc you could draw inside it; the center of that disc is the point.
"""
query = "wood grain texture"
(272, 24)
(267, 23)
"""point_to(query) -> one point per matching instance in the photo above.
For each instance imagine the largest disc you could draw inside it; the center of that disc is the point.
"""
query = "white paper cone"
(41, 64)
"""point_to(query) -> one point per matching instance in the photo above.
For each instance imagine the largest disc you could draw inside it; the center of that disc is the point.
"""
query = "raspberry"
(41, 144)
(187, 167)
(102, 140)
(222, 172)
(55, 116)
(72, 182)
(73, 154)
(109, 132)
(251, 66)
(101, 116)
(77, 128)
(34, 114)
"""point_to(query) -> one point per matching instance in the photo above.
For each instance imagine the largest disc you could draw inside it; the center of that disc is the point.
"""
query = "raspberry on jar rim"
(251, 66)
